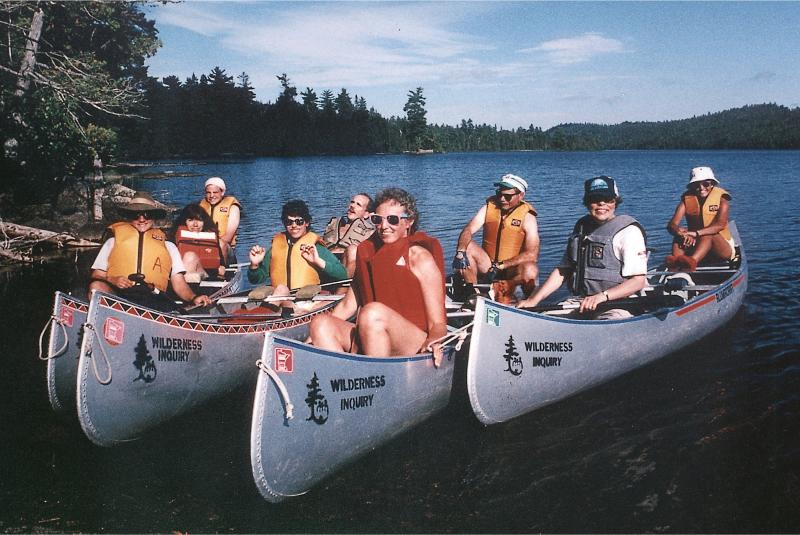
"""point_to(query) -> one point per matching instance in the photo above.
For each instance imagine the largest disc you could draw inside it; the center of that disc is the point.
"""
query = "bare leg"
(479, 262)
(384, 332)
(102, 286)
(331, 333)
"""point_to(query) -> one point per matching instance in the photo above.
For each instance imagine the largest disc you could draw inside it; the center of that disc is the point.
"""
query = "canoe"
(317, 410)
(520, 361)
(66, 332)
(139, 367)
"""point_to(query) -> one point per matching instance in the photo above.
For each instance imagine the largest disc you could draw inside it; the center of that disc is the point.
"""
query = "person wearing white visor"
(705, 206)
(509, 254)
(225, 211)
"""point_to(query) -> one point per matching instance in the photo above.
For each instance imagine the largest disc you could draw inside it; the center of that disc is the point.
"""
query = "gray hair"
(404, 199)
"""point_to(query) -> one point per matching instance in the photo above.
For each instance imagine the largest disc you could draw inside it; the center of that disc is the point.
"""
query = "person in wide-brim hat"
(142, 201)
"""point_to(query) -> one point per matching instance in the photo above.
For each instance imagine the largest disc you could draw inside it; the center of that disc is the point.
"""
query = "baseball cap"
(600, 186)
(512, 181)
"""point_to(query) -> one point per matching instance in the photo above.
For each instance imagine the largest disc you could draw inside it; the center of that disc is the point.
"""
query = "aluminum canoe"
(64, 346)
(341, 406)
(140, 368)
(520, 361)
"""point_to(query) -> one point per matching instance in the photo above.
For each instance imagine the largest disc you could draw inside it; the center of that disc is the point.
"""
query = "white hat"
(215, 181)
(512, 181)
(698, 174)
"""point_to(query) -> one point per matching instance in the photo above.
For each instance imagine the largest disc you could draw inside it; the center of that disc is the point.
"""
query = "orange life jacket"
(136, 252)
(378, 277)
(287, 266)
(220, 212)
(698, 217)
(503, 234)
(203, 244)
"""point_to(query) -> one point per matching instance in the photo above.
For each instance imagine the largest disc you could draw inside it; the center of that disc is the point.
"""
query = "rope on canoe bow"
(94, 360)
(261, 363)
(459, 335)
(57, 321)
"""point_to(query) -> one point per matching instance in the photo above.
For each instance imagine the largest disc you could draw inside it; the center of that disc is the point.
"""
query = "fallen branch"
(61, 239)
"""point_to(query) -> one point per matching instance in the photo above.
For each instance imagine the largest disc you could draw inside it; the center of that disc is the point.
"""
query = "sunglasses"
(145, 214)
(507, 196)
(598, 200)
(289, 221)
(705, 183)
(391, 219)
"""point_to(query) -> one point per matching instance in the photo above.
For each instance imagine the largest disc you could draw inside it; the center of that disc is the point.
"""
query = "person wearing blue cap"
(510, 250)
(606, 256)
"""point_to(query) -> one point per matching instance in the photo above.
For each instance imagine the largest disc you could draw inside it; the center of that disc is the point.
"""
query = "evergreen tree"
(417, 128)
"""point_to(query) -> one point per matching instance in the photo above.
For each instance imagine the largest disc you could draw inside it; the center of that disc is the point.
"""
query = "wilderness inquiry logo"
(543, 354)
(355, 394)
(180, 350)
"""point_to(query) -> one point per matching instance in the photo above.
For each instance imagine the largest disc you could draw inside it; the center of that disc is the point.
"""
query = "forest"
(75, 94)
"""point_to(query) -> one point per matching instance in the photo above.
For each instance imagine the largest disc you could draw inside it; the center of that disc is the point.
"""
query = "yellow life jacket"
(220, 212)
(698, 217)
(287, 266)
(136, 252)
(504, 235)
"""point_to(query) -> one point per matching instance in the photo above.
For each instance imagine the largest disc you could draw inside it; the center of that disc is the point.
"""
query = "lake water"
(704, 440)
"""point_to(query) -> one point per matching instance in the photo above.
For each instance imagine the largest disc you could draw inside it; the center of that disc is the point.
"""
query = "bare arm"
(629, 286)
(182, 290)
(233, 224)
(117, 282)
(673, 227)
(431, 281)
(471, 228)
(345, 308)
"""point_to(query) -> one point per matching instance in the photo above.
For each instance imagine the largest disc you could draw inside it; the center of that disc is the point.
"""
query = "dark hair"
(296, 207)
(370, 202)
(192, 211)
(404, 199)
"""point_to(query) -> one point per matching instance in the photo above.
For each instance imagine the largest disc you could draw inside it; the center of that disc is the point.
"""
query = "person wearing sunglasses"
(605, 259)
(297, 256)
(138, 263)
(397, 294)
(225, 211)
(343, 234)
(510, 249)
(706, 206)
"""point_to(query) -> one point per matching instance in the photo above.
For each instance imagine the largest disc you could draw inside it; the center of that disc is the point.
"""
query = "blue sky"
(505, 63)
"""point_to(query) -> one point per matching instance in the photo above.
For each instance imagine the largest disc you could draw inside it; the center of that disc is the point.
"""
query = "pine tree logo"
(316, 402)
(144, 362)
(513, 360)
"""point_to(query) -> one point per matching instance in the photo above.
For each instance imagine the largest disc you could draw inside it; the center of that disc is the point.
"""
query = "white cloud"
(577, 49)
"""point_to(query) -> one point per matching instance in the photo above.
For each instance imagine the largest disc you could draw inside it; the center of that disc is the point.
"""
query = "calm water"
(705, 440)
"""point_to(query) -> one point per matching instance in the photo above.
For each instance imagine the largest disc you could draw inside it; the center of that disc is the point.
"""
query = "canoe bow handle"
(264, 367)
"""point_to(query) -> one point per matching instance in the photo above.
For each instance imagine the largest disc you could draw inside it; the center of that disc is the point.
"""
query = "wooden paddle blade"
(260, 292)
(308, 292)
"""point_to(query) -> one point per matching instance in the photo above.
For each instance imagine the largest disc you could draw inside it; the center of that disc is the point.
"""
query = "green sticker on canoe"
(492, 316)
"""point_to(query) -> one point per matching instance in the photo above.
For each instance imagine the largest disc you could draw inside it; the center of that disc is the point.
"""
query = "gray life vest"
(359, 230)
(591, 253)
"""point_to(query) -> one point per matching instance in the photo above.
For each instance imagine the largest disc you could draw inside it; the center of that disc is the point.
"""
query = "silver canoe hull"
(64, 349)
(520, 361)
(139, 368)
(344, 406)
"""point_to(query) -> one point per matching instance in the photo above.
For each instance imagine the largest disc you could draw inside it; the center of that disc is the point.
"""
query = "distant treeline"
(212, 116)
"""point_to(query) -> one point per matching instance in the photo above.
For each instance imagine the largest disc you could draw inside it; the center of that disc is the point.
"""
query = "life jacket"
(359, 230)
(590, 251)
(287, 266)
(699, 217)
(503, 234)
(378, 277)
(136, 252)
(220, 212)
(203, 244)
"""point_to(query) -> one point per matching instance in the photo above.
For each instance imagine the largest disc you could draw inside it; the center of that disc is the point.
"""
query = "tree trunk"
(29, 60)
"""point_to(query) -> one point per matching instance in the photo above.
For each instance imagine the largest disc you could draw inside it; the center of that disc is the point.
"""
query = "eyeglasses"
(598, 200)
(506, 196)
(145, 214)
(289, 221)
(705, 184)
(391, 219)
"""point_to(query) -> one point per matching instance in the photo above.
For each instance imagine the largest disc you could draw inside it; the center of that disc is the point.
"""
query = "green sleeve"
(261, 273)
(334, 270)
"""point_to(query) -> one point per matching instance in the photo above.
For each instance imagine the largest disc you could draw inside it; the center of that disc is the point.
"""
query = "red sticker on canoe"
(113, 331)
(66, 316)
(284, 360)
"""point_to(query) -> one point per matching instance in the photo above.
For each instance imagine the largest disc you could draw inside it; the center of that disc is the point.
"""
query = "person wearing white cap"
(705, 205)
(510, 249)
(225, 210)
(138, 262)
(605, 258)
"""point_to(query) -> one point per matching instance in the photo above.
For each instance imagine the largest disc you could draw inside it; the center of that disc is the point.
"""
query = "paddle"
(659, 301)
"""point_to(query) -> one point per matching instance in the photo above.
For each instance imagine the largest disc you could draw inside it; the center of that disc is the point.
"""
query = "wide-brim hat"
(142, 201)
(512, 181)
(699, 174)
